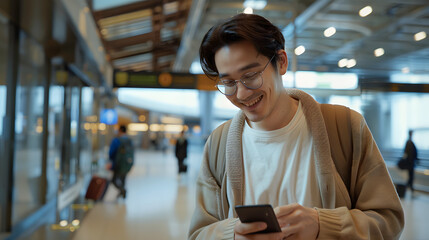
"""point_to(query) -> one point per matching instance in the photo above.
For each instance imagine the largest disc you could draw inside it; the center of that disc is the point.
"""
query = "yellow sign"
(165, 79)
(121, 78)
(205, 83)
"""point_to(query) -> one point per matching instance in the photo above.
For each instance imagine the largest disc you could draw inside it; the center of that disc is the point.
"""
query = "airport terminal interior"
(73, 72)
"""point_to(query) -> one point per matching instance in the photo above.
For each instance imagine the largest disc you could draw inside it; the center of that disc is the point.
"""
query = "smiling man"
(318, 165)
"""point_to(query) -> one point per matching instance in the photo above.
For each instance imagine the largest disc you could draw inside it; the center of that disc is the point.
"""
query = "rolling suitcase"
(97, 188)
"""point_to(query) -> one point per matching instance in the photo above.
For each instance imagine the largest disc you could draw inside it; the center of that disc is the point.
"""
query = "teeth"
(253, 102)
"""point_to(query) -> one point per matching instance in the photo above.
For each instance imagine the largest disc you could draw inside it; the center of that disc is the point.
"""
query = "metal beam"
(183, 61)
(306, 15)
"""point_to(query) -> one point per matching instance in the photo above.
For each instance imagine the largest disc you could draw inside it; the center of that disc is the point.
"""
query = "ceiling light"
(255, 4)
(299, 50)
(365, 11)
(329, 32)
(420, 36)
(379, 52)
(248, 10)
(351, 63)
(343, 62)
(405, 70)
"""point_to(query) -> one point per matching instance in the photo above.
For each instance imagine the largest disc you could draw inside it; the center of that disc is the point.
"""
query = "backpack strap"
(338, 126)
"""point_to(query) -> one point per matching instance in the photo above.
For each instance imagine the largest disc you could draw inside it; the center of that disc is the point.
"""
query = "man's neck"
(281, 115)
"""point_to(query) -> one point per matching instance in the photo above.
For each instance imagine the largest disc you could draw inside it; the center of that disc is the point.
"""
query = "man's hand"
(298, 222)
(246, 231)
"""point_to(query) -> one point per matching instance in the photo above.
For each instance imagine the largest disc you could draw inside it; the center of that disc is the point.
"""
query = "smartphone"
(259, 213)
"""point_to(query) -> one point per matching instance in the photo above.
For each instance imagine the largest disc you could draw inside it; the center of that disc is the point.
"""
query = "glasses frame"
(242, 82)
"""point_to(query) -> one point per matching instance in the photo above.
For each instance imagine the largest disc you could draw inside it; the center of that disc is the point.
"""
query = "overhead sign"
(109, 116)
(395, 87)
(163, 80)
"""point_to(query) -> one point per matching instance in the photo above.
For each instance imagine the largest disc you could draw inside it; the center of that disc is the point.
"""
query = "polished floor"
(160, 203)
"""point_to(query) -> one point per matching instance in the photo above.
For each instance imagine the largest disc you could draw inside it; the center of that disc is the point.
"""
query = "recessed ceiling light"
(255, 4)
(299, 50)
(365, 11)
(351, 63)
(343, 62)
(329, 32)
(405, 70)
(248, 10)
(379, 52)
(420, 36)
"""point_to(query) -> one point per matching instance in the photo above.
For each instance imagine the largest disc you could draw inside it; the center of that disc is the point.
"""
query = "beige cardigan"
(370, 210)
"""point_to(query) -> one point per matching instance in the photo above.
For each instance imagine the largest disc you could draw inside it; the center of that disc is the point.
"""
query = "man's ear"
(282, 61)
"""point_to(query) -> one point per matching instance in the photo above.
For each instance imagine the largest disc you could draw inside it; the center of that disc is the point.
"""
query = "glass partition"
(88, 130)
(70, 138)
(55, 127)
(3, 83)
(28, 129)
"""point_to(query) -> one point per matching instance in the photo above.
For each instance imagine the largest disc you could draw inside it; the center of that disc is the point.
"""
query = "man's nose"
(242, 91)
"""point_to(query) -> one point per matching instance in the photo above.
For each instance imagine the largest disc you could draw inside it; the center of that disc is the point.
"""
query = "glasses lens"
(227, 90)
(252, 80)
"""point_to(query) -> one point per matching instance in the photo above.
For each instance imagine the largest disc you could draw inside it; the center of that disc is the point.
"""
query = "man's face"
(235, 60)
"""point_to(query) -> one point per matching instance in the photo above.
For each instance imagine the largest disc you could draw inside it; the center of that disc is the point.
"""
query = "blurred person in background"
(181, 151)
(121, 154)
(410, 154)
(323, 182)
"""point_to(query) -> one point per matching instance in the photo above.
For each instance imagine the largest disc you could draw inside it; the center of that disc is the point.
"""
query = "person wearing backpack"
(121, 154)
(316, 164)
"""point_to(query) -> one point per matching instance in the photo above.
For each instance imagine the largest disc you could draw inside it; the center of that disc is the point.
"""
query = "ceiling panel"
(165, 35)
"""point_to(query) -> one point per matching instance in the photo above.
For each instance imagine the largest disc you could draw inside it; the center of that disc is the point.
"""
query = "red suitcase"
(96, 189)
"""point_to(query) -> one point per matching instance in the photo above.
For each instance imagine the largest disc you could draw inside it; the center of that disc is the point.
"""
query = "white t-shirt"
(279, 165)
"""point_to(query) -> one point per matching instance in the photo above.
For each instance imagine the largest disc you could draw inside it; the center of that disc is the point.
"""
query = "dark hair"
(123, 129)
(266, 38)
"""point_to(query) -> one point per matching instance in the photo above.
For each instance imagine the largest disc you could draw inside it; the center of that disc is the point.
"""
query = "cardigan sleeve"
(376, 211)
(208, 220)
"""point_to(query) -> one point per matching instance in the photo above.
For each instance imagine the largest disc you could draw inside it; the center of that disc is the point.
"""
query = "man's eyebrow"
(249, 66)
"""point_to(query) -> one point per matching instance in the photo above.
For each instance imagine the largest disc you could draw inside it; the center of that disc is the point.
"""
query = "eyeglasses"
(251, 80)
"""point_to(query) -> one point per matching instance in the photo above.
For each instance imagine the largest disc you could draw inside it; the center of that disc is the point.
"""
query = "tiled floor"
(159, 204)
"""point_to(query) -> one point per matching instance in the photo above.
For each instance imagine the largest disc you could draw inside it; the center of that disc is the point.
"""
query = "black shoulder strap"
(338, 125)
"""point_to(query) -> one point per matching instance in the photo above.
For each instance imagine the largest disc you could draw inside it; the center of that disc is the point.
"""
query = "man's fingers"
(285, 209)
(290, 230)
(247, 228)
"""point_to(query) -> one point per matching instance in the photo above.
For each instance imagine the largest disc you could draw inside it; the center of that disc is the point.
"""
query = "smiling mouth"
(249, 104)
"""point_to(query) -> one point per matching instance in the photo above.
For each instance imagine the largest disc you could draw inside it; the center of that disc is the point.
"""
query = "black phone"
(259, 213)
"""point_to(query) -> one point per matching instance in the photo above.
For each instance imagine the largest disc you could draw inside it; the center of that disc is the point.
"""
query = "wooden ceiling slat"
(173, 41)
(129, 41)
(129, 47)
(132, 7)
(156, 52)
